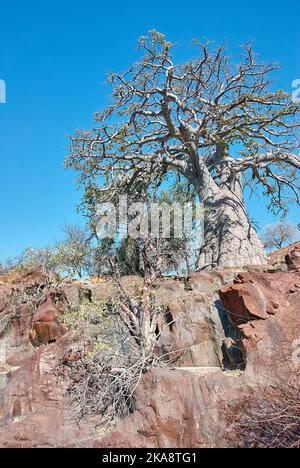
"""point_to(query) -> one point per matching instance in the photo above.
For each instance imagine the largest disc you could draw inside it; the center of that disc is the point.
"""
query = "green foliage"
(95, 322)
(71, 256)
(126, 254)
(77, 316)
(34, 258)
(211, 120)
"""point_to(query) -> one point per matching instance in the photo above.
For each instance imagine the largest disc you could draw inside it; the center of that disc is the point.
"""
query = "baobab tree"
(216, 122)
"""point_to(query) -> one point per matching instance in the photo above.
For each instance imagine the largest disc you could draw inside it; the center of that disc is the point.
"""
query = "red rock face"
(27, 323)
(256, 296)
(191, 332)
(265, 309)
(174, 408)
(279, 257)
(178, 409)
(35, 409)
(293, 259)
(47, 326)
(6, 291)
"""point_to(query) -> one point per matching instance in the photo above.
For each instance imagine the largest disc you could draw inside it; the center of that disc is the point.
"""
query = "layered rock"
(46, 324)
(265, 309)
(179, 409)
(35, 409)
(195, 331)
(293, 258)
(222, 340)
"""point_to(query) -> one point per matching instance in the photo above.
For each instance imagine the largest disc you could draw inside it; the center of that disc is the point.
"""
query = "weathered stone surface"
(28, 322)
(192, 331)
(178, 409)
(268, 320)
(47, 326)
(293, 258)
(258, 321)
(5, 294)
(278, 258)
(257, 295)
(35, 409)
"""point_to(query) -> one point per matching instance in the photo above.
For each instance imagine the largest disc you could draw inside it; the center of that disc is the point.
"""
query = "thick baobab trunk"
(229, 238)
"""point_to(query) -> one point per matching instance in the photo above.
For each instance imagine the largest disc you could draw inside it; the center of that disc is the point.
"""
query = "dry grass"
(271, 417)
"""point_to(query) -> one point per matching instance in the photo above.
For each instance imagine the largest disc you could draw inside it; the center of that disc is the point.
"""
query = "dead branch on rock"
(271, 417)
(104, 382)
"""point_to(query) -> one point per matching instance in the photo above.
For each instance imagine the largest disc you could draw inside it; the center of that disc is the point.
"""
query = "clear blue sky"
(54, 56)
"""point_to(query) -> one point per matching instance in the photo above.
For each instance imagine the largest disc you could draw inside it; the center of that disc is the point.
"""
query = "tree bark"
(229, 237)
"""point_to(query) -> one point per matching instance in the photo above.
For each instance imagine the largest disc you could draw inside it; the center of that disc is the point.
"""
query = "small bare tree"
(275, 236)
(73, 254)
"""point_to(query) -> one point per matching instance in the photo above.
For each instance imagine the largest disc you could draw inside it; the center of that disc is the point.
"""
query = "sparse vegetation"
(70, 257)
(271, 417)
(121, 337)
(278, 235)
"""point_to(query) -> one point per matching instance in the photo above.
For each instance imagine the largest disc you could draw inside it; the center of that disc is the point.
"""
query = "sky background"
(54, 58)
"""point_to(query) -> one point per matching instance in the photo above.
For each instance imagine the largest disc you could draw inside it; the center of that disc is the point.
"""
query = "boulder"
(47, 326)
(36, 411)
(256, 296)
(264, 307)
(179, 409)
(292, 259)
(194, 328)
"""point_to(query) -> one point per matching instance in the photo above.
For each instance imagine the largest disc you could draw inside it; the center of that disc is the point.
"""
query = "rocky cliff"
(226, 331)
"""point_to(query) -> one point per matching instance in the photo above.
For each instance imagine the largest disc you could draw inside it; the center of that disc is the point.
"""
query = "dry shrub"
(270, 418)
(120, 339)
